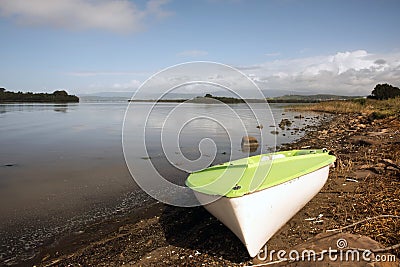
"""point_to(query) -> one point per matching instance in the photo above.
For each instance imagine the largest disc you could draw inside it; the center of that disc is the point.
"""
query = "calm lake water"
(62, 166)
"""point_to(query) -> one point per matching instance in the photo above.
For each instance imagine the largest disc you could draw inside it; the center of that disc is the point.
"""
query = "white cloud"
(352, 72)
(122, 86)
(198, 78)
(116, 16)
(193, 53)
(345, 73)
(131, 85)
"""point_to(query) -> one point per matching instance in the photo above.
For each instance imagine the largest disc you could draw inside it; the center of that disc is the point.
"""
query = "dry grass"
(377, 108)
(377, 191)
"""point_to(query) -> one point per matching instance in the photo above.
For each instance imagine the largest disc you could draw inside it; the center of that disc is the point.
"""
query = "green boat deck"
(243, 176)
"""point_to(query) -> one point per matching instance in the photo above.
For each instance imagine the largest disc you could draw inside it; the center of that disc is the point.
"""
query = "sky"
(89, 46)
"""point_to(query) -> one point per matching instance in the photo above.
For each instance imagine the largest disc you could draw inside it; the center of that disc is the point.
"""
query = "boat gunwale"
(275, 185)
(254, 164)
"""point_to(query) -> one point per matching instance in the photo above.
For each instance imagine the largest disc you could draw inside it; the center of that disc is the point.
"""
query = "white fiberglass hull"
(254, 218)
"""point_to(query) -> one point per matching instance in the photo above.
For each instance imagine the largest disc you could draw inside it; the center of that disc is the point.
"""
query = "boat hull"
(254, 218)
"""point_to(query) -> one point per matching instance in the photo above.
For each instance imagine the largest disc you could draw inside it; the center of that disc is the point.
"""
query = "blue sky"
(87, 46)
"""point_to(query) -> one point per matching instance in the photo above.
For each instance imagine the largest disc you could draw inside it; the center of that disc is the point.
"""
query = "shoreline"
(75, 175)
(167, 235)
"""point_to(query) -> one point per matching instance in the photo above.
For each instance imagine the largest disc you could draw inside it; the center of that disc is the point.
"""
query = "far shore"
(209, 99)
(29, 97)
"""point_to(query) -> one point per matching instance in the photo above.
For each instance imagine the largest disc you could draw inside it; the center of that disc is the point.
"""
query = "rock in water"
(249, 143)
(284, 123)
(249, 140)
(299, 116)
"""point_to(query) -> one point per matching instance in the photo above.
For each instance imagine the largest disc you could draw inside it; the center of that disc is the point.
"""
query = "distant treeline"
(380, 92)
(207, 99)
(210, 99)
(56, 96)
(309, 98)
(293, 100)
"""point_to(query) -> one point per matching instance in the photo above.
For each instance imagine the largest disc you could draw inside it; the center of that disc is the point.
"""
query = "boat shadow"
(196, 229)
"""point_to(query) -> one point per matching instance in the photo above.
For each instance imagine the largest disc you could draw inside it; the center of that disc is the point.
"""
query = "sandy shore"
(364, 183)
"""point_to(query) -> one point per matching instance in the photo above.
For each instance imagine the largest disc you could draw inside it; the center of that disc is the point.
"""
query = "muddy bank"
(364, 183)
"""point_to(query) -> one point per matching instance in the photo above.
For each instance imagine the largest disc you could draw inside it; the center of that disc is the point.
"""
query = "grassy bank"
(375, 108)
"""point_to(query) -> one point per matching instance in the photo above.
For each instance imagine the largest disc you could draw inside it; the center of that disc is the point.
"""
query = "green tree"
(384, 91)
(60, 93)
(57, 96)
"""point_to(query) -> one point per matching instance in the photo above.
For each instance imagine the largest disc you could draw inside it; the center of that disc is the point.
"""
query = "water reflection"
(67, 158)
(249, 144)
(61, 108)
(33, 107)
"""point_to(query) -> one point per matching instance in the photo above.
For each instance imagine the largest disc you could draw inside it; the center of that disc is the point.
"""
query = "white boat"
(254, 197)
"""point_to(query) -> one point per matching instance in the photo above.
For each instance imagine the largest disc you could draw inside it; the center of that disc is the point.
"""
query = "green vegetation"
(320, 102)
(207, 99)
(379, 108)
(56, 96)
(384, 91)
(383, 102)
(223, 99)
(308, 98)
